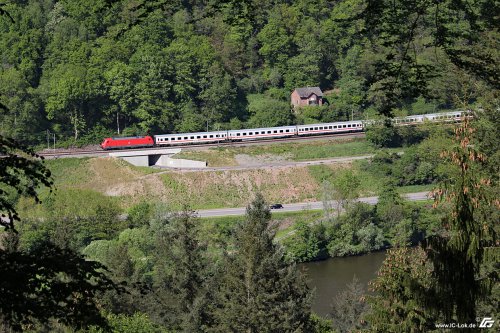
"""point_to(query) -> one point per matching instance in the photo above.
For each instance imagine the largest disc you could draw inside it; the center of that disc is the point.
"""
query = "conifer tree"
(445, 279)
(458, 253)
(258, 291)
(182, 274)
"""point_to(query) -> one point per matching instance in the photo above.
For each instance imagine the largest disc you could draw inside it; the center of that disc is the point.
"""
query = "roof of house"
(308, 91)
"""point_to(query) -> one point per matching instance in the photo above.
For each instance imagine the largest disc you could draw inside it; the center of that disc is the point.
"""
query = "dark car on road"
(276, 206)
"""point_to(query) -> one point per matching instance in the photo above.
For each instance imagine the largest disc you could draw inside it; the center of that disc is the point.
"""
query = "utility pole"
(54, 141)
(48, 139)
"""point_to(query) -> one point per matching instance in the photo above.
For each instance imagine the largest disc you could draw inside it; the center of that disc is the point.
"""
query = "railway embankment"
(285, 182)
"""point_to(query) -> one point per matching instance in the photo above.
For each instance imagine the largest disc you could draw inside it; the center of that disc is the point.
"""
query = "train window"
(198, 137)
(281, 131)
(217, 135)
(287, 131)
(335, 126)
(344, 126)
(275, 131)
(349, 125)
(250, 133)
(244, 133)
(237, 134)
(268, 132)
(211, 136)
(315, 128)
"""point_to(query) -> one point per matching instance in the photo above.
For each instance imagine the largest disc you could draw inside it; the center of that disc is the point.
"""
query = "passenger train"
(267, 132)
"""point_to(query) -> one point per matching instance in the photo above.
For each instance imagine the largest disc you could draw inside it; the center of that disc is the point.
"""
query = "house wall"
(297, 101)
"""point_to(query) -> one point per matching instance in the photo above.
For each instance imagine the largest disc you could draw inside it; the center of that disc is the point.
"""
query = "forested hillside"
(86, 69)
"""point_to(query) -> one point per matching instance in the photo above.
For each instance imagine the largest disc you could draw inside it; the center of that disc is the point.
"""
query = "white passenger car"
(261, 133)
(346, 126)
(187, 138)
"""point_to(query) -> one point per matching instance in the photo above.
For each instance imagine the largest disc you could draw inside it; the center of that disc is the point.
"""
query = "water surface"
(329, 277)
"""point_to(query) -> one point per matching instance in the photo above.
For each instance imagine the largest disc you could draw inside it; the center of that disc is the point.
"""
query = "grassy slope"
(129, 185)
(295, 151)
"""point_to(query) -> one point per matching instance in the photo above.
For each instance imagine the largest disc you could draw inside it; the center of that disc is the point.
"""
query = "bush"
(267, 112)
(384, 136)
(306, 244)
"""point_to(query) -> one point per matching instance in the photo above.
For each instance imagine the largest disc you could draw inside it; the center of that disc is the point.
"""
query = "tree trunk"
(118, 122)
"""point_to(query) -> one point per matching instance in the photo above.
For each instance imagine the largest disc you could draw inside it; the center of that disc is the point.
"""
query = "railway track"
(99, 152)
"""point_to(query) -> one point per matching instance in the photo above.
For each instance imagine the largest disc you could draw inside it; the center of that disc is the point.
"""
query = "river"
(329, 277)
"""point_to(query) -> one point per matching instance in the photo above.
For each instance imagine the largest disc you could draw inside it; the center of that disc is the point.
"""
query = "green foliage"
(345, 189)
(181, 270)
(311, 114)
(460, 34)
(403, 280)
(383, 136)
(138, 322)
(140, 214)
(389, 208)
(419, 165)
(268, 111)
(457, 255)
(306, 243)
(21, 171)
(421, 106)
(50, 283)
(258, 291)
(355, 232)
(73, 219)
(321, 325)
(71, 67)
(348, 307)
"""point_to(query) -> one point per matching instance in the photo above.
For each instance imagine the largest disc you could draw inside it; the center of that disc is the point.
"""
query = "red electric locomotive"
(127, 142)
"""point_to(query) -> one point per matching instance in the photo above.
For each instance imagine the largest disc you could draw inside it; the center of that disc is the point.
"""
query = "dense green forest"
(86, 69)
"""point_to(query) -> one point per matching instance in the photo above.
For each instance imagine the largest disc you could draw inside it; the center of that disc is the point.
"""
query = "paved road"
(295, 207)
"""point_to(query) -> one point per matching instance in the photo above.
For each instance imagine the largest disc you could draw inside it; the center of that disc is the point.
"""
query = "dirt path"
(259, 164)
